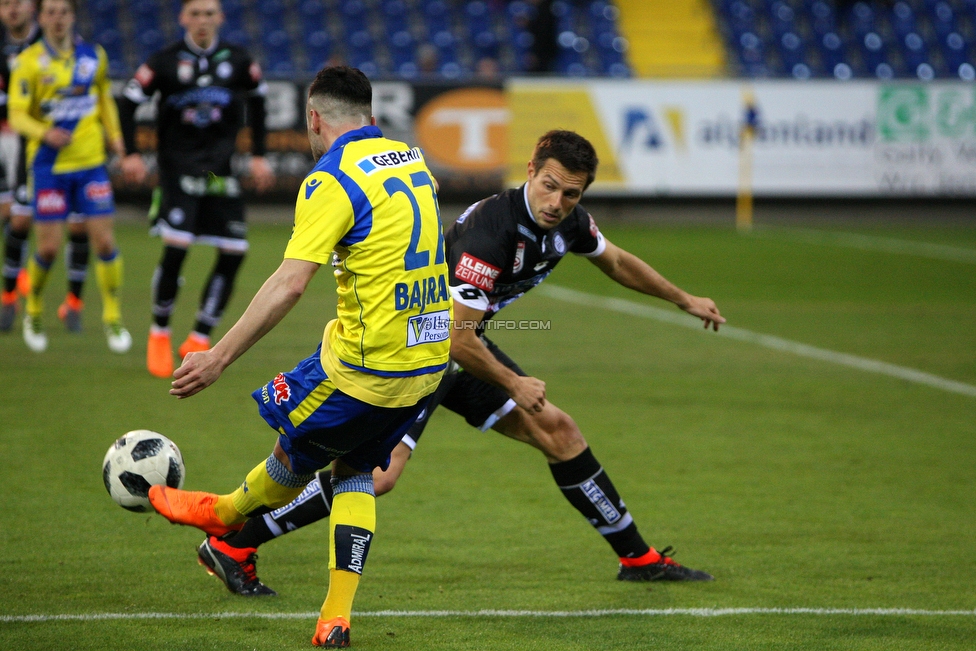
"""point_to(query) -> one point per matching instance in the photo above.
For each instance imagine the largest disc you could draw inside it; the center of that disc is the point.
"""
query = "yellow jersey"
(369, 208)
(70, 90)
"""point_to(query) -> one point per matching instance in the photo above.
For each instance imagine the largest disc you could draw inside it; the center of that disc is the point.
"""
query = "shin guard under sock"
(588, 488)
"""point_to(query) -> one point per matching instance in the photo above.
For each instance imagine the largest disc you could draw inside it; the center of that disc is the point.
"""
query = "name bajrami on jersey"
(497, 252)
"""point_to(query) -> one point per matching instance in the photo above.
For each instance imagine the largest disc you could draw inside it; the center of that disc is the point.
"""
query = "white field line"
(767, 341)
(650, 612)
(869, 243)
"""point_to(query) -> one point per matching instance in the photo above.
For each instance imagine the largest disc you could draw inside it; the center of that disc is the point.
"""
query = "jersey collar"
(55, 53)
(199, 51)
(527, 216)
(369, 131)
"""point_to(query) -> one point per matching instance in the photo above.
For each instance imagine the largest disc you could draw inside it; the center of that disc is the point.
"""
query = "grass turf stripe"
(767, 341)
(868, 243)
(649, 612)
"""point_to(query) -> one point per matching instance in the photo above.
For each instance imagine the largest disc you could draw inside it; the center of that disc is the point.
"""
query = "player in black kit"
(206, 87)
(21, 31)
(499, 249)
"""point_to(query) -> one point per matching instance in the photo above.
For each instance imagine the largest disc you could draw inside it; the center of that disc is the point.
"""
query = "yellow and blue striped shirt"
(369, 207)
(70, 90)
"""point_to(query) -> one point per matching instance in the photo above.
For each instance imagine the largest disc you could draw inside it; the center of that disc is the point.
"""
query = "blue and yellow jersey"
(70, 90)
(369, 208)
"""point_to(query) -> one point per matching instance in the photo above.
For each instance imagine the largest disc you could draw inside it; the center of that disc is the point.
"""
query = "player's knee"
(566, 433)
(383, 483)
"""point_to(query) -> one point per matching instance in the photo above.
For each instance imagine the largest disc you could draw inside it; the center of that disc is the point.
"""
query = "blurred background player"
(497, 250)
(20, 30)
(61, 101)
(353, 399)
(202, 84)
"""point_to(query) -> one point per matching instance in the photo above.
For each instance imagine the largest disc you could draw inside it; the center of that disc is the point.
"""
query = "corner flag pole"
(747, 133)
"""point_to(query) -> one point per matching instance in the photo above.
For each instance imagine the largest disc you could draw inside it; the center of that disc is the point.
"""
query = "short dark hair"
(345, 89)
(71, 3)
(569, 149)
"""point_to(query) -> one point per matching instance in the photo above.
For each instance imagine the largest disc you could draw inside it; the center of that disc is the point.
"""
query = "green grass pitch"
(798, 483)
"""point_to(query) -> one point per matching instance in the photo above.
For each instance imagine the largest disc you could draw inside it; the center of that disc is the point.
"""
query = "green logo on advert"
(920, 113)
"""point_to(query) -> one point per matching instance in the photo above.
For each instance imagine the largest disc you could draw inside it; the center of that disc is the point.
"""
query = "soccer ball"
(137, 461)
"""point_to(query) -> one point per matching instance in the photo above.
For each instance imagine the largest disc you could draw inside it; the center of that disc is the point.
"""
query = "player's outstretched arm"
(269, 306)
(633, 273)
(475, 358)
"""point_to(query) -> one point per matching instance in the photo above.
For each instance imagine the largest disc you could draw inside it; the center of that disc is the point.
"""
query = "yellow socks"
(352, 524)
(109, 275)
(269, 485)
(37, 272)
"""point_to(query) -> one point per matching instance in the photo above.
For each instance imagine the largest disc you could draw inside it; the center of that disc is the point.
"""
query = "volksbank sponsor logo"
(600, 501)
(390, 159)
(428, 328)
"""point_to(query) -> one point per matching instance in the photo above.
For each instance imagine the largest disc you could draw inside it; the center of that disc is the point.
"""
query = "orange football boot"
(192, 508)
(331, 634)
(159, 353)
(70, 312)
(23, 282)
(195, 343)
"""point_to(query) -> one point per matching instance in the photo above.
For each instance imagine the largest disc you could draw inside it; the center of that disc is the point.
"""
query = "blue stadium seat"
(318, 48)
(312, 14)
(438, 16)
(958, 56)
(793, 56)
(148, 42)
(271, 15)
(236, 36)
(401, 46)
(354, 16)
(916, 55)
(903, 19)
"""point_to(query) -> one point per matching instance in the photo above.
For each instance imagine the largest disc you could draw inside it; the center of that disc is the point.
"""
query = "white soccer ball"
(135, 462)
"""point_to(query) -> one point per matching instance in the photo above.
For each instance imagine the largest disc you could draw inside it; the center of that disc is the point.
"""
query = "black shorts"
(189, 209)
(480, 403)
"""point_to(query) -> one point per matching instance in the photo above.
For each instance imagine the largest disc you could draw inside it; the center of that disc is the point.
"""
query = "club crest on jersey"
(519, 257)
(559, 243)
(85, 69)
(390, 159)
(477, 272)
(224, 69)
(281, 389)
(184, 71)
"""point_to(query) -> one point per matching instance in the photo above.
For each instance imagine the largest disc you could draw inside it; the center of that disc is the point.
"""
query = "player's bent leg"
(552, 431)
(586, 485)
(235, 553)
(352, 528)
(269, 485)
